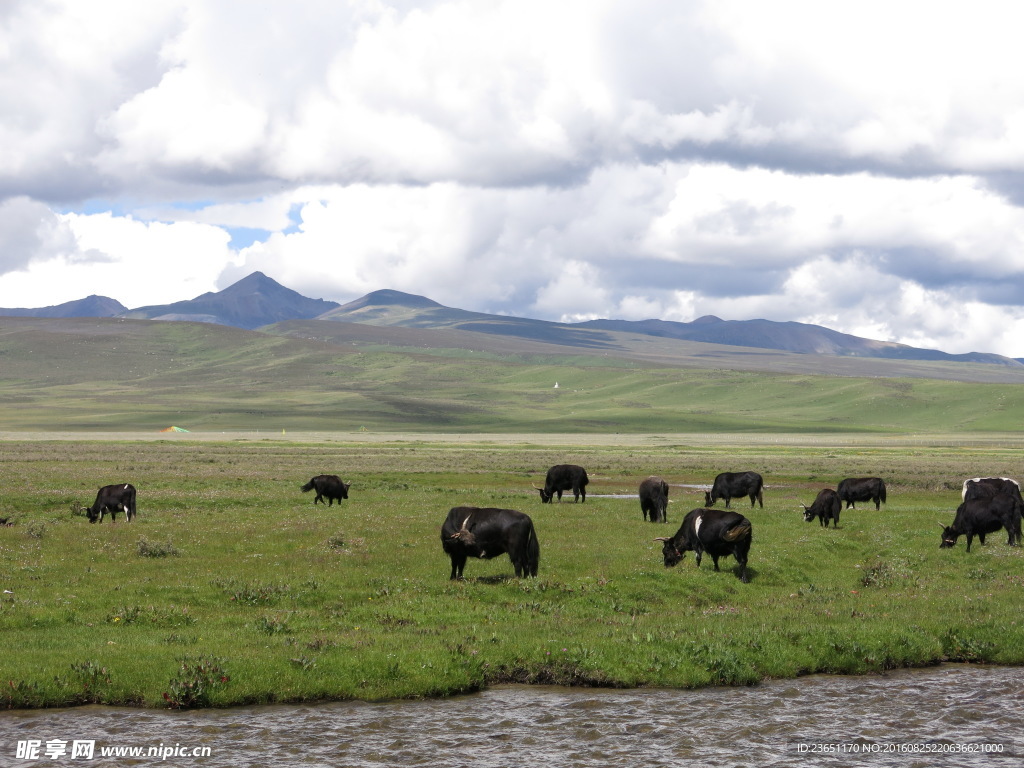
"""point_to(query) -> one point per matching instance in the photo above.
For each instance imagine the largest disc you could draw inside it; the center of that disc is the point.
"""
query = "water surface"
(907, 718)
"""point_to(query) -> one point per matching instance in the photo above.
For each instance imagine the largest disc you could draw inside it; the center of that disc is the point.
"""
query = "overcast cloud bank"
(855, 166)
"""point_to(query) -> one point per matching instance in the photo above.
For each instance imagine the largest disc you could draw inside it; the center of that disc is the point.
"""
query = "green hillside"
(138, 375)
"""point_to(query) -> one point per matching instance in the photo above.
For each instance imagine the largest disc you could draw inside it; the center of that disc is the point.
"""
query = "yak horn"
(663, 538)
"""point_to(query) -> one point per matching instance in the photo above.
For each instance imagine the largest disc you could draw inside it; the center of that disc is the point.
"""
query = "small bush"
(156, 549)
(272, 625)
(21, 695)
(175, 639)
(885, 574)
(958, 645)
(86, 684)
(196, 680)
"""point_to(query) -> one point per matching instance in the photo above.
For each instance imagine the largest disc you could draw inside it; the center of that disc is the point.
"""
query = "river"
(954, 715)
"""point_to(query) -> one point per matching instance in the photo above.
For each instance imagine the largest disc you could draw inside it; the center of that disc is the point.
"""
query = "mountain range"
(258, 301)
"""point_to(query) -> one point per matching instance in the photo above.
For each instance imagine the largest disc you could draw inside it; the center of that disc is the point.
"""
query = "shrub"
(155, 549)
(196, 680)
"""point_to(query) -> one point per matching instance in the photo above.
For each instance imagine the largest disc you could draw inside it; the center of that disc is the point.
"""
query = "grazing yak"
(979, 517)
(826, 506)
(328, 487)
(113, 499)
(486, 533)
(734, 485)
(854, 489)
(564, 477)
(718, 532)
(654, 499)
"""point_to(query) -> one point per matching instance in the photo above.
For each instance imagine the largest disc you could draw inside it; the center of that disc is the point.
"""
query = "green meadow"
(91, 375)
(231, 587)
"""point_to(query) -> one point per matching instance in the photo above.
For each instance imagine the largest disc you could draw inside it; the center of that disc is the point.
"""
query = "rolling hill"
(258, 301)
(91, 306)
(113, 375)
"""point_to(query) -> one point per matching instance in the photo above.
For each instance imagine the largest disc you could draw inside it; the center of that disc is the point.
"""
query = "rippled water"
(909, 718)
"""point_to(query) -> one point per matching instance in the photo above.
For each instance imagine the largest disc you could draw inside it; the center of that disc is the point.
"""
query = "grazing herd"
(989, 504)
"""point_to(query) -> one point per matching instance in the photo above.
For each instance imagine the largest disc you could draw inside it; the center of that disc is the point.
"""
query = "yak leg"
(743, 570)
(458, 563)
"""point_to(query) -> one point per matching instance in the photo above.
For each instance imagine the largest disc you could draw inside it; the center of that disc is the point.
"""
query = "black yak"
(486, 533)
(718, 532)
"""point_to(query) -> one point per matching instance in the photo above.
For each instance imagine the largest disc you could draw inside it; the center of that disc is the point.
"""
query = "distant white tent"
(556, 385)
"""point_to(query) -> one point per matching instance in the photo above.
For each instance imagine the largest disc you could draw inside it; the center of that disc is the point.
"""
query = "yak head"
(545, 496)
(671, 552)
(709, 499)
(808, 514)
(92, 513)
(949, 536)
(464, 535)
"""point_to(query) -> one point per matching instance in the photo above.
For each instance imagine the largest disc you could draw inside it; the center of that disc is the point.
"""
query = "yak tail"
(533, 552)
(307, 487)
(881, 493)
(737, 531)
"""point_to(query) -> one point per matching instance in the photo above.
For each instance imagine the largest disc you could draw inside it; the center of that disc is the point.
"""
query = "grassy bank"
(231, 587)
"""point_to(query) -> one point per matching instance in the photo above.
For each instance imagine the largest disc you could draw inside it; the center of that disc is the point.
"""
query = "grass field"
(231, 587)
(92, 375)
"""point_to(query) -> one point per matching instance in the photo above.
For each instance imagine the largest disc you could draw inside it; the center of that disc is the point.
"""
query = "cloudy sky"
(855, 165)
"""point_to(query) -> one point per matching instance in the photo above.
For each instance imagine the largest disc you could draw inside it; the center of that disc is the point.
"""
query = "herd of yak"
(989, 504)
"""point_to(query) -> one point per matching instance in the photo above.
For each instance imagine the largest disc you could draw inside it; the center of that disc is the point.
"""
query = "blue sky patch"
(243, 237)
